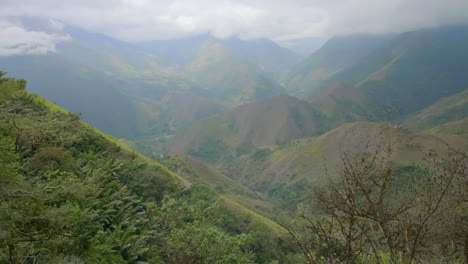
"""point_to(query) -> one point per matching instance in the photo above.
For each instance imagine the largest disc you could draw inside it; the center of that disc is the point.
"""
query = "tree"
(379, 209)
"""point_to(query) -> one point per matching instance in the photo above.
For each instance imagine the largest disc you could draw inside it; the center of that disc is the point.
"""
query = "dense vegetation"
(275, 120)
(336, 55)
(358, 78)
(72, 195)
(382, 211)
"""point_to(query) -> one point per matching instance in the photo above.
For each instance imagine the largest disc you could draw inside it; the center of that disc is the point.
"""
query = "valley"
(209, 150)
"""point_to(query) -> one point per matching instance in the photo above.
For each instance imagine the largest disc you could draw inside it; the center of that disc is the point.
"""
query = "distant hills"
(336, 55)
(449, 109)
(264, 54)
(287, 172)
(242, 121)
(249, 107)
(415, 83)
(199, 173)
(413, 71)
(86, 198)
(454, 128)
(275, 120)
(80, 89)
(228, 78)
(134, 79)
(414, 79)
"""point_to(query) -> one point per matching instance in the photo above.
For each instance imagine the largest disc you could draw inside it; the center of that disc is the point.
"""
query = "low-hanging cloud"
(143, 20)
(16, 40)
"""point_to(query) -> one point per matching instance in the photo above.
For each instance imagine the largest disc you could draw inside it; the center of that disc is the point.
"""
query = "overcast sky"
(280, 20)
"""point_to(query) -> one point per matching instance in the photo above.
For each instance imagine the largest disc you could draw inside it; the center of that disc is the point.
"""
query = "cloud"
(142, 20)
(16, 40)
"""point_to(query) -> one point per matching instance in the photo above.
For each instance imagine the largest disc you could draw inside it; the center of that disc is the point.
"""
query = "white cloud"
(281, 20)
(56, 25)
(16, 40)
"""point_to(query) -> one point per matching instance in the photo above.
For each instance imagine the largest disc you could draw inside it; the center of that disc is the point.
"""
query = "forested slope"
(70, 194)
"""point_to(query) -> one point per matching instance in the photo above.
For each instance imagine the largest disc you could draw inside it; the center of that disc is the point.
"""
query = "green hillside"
(451, 128)
(228, 78)
(449, 109)
(336, 55)
(198, 172)
(136, 82)
(70, 194)
(77, 88)
(132, 69)
(161, 119)
(229, 150)
(265, 55)
(286, 172)
(275, 120)
(411, 72)
(358, 78)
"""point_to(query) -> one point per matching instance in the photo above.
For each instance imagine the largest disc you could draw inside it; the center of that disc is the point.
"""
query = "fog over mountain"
(233, 131)
(281, 21)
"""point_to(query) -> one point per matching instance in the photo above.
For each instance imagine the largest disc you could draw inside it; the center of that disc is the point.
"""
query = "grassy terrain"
(268, 122)
(452, 128)
(336, 55)
(450, 109)
(411, 72)
(144, 87)
(227, 78)
(71, 193)
(362, 78)
(285, 173)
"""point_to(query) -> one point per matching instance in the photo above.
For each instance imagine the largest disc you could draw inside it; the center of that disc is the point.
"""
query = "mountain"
(264, 54)
(111, 83)
(198, 172)
(342, 103)
(136, 80)
(380, 80)
(286, 173)
(275, 120)
(228, 78)
(71, 194)
(304, 47)
(426, 64)
(134, 71)
(176, 110)
(104, 102)
(452, 128)
(449, 109)
(336, 55)
(230, 71)
(78, 88)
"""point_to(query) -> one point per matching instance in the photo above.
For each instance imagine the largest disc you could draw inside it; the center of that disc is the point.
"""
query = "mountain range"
(235, 136)
(138, 77)
(248, 118)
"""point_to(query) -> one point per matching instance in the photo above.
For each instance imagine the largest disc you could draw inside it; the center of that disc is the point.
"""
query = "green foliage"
(68, 194)
(224, 137)
(192, 229)
(289, 195)
(337, 54)
(211, 150)
(453, 128)
(413, 65)
(449, 109)
(10, 85)
(227, 78)
(382, 212)
(261, 153)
